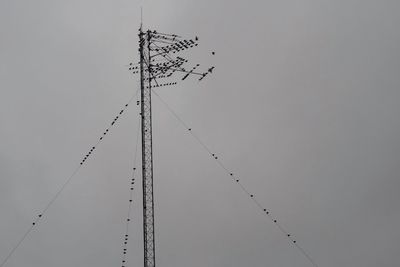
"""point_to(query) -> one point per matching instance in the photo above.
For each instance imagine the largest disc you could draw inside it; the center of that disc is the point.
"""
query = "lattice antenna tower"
(159, 61)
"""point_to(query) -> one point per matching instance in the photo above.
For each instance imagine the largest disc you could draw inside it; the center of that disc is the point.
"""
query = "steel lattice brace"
(147, 149)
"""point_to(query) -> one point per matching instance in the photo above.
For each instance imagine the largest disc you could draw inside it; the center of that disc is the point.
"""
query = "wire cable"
(132, 187)
(64, 185)
(236, 179)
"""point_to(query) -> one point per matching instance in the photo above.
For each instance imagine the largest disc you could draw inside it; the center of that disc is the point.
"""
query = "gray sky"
(303, 106)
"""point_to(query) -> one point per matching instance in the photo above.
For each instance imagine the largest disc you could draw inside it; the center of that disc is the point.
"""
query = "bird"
(213, 53)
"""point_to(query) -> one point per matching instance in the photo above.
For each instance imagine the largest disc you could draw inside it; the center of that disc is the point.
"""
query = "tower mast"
(157, 63)
(147, 148)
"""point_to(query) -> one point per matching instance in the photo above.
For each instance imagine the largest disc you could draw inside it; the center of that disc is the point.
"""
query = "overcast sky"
(303, 106)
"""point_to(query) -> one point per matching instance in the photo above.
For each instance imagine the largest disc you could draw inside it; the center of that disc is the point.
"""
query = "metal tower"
(147, 149)
(156, 63)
